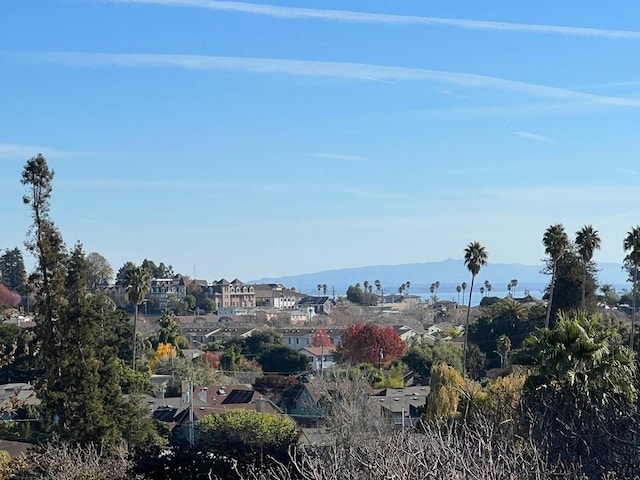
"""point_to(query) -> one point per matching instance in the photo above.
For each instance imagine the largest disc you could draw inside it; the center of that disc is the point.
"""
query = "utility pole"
(191, 427)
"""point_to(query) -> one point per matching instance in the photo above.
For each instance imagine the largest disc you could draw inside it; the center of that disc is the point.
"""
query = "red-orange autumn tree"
(8, 298)
(212, 359)
(369, 343)
(321, 338)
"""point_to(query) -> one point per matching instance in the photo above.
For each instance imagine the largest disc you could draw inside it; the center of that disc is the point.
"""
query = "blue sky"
(264, 139)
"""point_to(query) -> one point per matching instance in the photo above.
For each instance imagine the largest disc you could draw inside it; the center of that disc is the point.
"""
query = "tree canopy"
(370, 343)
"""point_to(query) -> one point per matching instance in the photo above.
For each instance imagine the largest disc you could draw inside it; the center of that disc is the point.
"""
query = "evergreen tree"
(571, 276)
(46, 244)
(80, 373)
(76, 406)
(12, 271)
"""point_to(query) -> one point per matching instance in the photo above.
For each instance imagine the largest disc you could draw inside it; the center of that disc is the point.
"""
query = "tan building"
(232, 294)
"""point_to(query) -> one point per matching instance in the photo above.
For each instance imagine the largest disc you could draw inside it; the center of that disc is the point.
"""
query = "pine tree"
(46, 244)
(12, 271)
(78, 333)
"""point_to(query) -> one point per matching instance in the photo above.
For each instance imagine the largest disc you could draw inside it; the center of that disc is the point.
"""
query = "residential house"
(322, 358)
(408, 334)
(400, 406)
(303, 403)
(298, 317)
(275, 295)
(14, 396)
(232, 311)
(444, 331)
(297, 338)
(208, 400)
(318, 305)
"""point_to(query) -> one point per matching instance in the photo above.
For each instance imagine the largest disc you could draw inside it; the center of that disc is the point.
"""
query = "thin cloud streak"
(339, 156)
(533, 136)
(293, 13)
(369, 194)
(14, 150)
(353, 71)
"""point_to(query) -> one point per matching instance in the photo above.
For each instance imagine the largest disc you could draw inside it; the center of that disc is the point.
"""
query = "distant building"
(275, 295)
(322, 358)
(161, 289)
(297, 338)
(232, 294)
(320, 305)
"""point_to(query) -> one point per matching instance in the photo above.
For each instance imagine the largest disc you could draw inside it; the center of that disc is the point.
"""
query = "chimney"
(260, 404)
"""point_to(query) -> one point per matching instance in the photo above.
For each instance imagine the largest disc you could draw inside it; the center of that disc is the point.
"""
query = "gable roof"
(318, 351)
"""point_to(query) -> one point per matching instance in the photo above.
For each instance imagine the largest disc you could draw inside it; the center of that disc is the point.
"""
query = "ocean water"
(448, 292)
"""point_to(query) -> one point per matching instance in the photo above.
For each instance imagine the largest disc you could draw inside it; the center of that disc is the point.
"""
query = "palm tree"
(408, 286)
(514, 284)
(324, 288)
(379, 289)
(583, 354)
(137, 282)
(489, 287)
(475, 257)
(366, 286)
(437, 285)
(458, 289)
(464, 288)
(587, 241)
(556, 243)
(319, 287)
(509, 290)
(486, 285)
(631, 244)
(482, 291)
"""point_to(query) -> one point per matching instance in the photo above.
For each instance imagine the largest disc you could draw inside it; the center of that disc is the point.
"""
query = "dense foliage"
(370, 343)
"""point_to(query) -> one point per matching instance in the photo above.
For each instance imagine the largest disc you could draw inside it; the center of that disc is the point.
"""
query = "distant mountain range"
(449, 273)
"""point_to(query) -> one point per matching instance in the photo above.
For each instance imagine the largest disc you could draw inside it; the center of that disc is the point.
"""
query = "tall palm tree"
(379, 289)
(631, 244)
(514, 284)
(366, 286)
(486, 285)
(489, 287)
(482, 291)
(319, 287)
(475, 257)
(509, 290)
(437, 286)
(587, 241)
(458, 289)
(408, 286)
(324, 288)
(556, 243)
(464, 289)
(137, 282)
